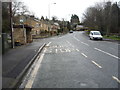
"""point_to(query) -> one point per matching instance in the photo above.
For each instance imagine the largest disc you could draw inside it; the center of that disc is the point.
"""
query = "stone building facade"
(22, 34)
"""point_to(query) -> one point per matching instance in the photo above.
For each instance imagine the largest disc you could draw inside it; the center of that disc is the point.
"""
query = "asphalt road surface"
(74, 61)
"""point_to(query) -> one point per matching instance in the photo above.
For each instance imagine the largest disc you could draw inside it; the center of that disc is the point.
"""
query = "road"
(74, 61)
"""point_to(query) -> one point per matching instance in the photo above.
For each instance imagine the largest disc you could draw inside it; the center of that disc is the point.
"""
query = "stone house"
(54, 28)
(39, 25)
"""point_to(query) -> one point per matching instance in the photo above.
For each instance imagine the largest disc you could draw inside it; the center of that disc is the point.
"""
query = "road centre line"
(84, 55)
(115, 78)
(107, 53)
(76, 38)
(96, 64)
(84, 43)
(35, 70)
(81, 42)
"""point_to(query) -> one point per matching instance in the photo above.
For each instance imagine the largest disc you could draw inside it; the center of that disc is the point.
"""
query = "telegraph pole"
(11, 25)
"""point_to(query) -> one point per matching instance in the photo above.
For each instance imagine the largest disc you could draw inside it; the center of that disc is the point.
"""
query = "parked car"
(95, 35)
(71, 31)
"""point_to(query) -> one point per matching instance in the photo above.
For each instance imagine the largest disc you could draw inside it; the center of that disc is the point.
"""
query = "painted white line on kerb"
(115, 78)
(107, 53)
(96, 64)
(48, 44)
(84, 43)
(84, 55)
(35, 70)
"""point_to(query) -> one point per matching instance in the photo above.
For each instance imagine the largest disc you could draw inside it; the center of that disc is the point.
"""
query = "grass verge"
(114, 37)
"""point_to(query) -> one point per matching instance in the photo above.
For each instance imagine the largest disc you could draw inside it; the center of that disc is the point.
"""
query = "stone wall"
(19, 35)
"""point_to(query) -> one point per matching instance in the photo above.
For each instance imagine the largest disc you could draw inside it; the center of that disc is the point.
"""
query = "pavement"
(14, 62)
(74, 61)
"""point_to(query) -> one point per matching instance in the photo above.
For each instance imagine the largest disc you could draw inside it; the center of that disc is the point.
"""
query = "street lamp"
(49, 7)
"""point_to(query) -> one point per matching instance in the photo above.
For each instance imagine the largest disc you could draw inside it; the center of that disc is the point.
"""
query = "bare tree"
(19, 8)
(103, 16)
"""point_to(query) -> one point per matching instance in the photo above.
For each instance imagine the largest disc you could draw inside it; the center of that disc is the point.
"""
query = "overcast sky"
(62, 8)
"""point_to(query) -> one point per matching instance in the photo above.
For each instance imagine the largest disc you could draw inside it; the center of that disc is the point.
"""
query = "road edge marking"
(34, 72)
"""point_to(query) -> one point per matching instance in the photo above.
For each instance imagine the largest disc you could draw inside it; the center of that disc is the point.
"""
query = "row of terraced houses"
(27, 27)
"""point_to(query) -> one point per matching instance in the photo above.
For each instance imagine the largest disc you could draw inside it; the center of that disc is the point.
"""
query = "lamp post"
(49, 8)
(11, 25)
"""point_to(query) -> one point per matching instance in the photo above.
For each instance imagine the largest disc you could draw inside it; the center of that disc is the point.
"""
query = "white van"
(95, 35)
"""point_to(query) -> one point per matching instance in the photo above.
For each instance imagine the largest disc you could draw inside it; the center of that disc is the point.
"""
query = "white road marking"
(77, 50)
(67, 50)
(56, 46)
(84, 55)
(35, 70)
(84, 43)
(115, 78)
(76, 38)
(56, 50)
(96, 64)
(48, 44)
(50, 51)
(107, 53)
(61, 50)
(70, 43)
